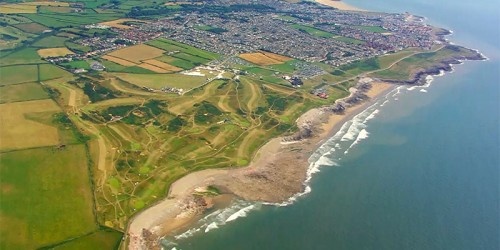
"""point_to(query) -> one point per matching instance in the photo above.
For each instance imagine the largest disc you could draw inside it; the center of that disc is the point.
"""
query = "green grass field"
(22, 92)
(158, 81)
(33, 28)
(49, 71)
(80, 64)
(11, 37)
(51, 42)
(313, 31)
(77, 47)
(407, 67)
(170, 45)
(60, 20)
(22, 56)
(177, 62)
(10, 74)
(46, 197)
(102, 239)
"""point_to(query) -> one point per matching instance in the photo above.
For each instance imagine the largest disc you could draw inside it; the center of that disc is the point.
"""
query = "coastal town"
(305, 31)
(156, 112)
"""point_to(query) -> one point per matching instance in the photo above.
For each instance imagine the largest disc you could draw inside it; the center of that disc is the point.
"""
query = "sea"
(419, 169)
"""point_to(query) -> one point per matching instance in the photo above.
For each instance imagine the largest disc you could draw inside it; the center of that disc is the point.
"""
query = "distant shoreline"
(338, 4)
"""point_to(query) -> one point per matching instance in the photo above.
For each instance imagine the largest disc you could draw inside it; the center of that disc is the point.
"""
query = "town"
(305, 31)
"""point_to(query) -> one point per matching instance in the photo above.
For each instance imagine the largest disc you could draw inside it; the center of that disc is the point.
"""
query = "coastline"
(278, 174)
(339, 4)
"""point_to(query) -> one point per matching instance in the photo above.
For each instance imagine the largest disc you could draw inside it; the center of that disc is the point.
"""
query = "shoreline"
(269, 178)
(339, 4)
(277, 175)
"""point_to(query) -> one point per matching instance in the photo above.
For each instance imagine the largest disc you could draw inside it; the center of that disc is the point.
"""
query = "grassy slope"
(22, 92)
(46, 197)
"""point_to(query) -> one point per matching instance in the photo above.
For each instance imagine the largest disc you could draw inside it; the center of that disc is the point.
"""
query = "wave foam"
(211, 226)
(214, 220)
(241, 213)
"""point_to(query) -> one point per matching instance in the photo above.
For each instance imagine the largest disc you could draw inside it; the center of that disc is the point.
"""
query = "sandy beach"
(276, 173)
(339, 5)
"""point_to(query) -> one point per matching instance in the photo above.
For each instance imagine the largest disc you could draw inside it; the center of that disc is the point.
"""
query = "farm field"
(140, 56)
(54, 52)
(162, 65)
(23, 56)
(27, 7)
(10, 74)
(60, 20)
(19, 131)
(31, 73)
(156, 81)
(54, 9)
(17, 8)
(49, 71)
(38, 205)
(50, 42)
(172, 46)
(80, 64)
(11, 37)
(151, 58)
(34, 28)
(137, 53)
(264, 58)
(22, 92)
(119, 23)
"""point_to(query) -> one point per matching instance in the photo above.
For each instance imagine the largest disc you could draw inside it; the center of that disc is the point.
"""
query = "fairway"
(46, 197)
(18, 132)
(54, 52)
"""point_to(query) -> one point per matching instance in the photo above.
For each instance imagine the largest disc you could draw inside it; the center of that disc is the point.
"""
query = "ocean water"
(420, 169)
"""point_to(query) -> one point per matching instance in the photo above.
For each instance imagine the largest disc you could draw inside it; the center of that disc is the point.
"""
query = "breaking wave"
(217, 218)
